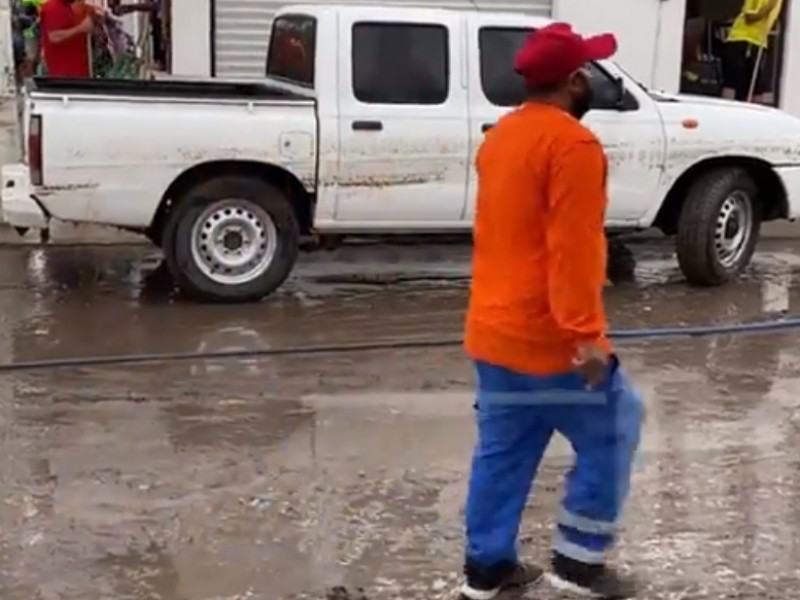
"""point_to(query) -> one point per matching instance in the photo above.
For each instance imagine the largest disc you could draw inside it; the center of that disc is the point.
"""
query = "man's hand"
(61, 35)
(591, 363)
(85, 26)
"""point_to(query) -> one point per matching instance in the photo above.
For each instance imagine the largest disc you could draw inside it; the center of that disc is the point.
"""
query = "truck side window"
(502, 86)
(292, 49)
(400, 63)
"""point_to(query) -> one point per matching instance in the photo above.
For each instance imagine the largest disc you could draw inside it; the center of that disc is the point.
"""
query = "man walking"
(536, 330)
(743, 60)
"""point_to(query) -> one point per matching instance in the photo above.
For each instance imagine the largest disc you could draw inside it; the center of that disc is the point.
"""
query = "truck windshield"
(292, 49)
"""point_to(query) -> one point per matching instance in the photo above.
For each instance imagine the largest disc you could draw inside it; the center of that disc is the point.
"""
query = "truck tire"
(621, 264)
(231, 239)
(718, 227)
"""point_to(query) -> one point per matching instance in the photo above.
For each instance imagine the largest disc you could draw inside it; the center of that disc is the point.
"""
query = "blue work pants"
(517, 415)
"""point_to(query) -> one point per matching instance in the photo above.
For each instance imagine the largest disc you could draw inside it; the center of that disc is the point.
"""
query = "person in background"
(65, 31)
(29, 24)
(743, 62)
(18, 26)
(536, 329)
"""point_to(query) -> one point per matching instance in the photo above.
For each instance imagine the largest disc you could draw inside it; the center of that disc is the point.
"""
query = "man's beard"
(581, 105)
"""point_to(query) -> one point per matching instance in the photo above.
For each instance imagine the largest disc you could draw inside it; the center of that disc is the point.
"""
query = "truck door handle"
(486, 127)
(367, 126)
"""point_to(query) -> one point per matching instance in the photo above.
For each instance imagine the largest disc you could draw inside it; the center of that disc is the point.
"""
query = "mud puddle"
(407, 293)
(308, 477)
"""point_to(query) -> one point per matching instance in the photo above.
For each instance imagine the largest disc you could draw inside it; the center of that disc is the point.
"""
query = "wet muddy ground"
(285, 477)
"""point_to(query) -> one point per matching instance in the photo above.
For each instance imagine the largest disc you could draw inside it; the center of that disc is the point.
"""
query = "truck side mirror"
(610, 94)
(619, 92)
(624, 99)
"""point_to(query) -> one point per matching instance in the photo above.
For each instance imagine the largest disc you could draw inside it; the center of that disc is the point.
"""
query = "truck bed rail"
(169, 88)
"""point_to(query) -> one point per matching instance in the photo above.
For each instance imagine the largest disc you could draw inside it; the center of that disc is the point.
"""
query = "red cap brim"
(600, 47)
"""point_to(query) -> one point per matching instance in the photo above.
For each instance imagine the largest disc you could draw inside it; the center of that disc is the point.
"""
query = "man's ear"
(572, 80)
(579, 77)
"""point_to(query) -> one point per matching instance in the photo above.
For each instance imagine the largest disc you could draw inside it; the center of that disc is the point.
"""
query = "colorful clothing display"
(112, 53)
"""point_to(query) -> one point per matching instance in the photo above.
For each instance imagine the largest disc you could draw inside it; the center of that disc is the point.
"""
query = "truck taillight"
(35, 149)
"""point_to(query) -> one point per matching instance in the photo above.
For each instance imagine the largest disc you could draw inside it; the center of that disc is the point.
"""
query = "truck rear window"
(292, 49)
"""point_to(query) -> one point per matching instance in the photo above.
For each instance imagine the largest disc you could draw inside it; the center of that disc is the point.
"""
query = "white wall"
(670, 45)
(7, 81)
(651, 56)
(191, 39)
(649, 32)
(790, 80)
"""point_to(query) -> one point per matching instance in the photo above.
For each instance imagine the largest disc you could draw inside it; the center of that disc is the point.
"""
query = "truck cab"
(405, 126)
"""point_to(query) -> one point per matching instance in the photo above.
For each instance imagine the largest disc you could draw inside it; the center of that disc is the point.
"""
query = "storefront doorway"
(131, 38)
(707, 59)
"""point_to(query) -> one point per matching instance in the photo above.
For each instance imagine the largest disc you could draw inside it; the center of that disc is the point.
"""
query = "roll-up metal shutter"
(241, 27)
(241, 32)
(540, 8)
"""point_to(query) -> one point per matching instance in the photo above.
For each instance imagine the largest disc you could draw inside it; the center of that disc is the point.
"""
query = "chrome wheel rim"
(734, 228)
(234, 242)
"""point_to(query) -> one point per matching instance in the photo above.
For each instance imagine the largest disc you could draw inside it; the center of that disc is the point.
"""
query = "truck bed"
(219, 90)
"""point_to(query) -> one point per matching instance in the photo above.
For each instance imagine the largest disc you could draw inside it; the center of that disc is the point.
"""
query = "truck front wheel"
(231, 239)
(718, 227)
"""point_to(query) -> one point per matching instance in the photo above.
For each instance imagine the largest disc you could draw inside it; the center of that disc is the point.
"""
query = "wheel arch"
(772, 193)
(302, 200)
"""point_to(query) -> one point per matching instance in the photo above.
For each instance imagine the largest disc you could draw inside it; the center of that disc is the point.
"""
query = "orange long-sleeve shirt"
(539, 259)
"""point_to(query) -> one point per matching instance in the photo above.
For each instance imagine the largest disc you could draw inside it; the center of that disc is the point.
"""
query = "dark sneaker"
(592, 581)
(482, 585)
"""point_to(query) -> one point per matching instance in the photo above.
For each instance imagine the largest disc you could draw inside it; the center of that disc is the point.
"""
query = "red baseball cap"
(552, 53)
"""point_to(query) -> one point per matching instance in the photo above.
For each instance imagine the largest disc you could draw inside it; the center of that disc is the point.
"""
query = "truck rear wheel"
(718, 227)
(231, 239)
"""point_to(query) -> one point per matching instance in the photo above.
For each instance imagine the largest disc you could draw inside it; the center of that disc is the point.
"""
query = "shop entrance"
(710, 63)
(131, 38)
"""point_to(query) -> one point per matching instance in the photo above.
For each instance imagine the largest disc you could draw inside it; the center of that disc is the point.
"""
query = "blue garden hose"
(646, 333)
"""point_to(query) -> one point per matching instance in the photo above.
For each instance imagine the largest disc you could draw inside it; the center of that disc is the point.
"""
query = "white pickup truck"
(367, 122)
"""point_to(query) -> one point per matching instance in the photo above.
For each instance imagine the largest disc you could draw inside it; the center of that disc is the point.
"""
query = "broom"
(754, 78)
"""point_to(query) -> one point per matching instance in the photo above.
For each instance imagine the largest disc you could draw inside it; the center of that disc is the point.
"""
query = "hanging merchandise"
(114, 51)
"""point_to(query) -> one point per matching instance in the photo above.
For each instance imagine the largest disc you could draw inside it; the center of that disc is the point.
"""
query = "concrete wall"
(7, 85)
(191, 39)
(650, 34)
(790, 84)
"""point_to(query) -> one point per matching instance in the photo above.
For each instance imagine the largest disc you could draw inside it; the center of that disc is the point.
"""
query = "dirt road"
(286, 477)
